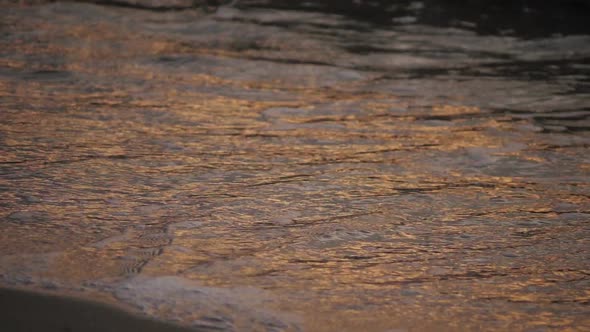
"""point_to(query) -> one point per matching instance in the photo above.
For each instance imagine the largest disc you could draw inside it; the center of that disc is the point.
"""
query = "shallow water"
(272, 168)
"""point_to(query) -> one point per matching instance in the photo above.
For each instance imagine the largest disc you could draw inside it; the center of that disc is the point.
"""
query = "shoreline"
(31, 311)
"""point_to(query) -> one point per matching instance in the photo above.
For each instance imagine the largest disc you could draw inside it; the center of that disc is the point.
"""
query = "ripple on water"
(205, 307)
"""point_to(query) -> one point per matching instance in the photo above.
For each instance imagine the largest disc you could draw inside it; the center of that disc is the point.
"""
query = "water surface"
(300, 168)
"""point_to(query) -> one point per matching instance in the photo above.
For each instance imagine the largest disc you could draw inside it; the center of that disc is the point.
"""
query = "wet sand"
(22, 311)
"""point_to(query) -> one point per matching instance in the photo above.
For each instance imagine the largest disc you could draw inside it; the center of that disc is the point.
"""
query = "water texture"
(273, 168)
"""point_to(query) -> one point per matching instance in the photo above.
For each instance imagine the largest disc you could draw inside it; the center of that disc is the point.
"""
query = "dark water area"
(522, 18)
(300, 166)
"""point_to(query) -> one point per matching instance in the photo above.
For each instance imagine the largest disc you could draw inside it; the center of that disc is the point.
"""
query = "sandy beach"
(28, 311)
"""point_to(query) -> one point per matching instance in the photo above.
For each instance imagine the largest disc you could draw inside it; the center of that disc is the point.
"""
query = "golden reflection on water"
(129, 155)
